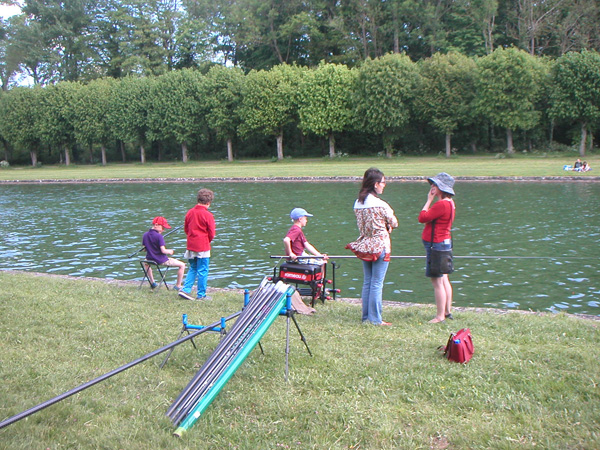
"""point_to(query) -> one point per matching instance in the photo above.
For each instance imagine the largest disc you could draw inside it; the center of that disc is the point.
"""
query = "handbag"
(440, 261)
(460, 346)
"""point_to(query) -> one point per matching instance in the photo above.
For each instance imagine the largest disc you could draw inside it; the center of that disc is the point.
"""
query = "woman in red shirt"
(442, 215)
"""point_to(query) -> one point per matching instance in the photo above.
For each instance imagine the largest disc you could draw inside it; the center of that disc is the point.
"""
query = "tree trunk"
(6, 151)
(91, 154)
(33, 155)
(103, 153)
(396, 31)
(448, 145)
(509, 142)
(474, 147)
(583, 139)
(123, 154)
(280, 146)
(388, 144)
(331, 145)
(184, 152)
(67, 156)
(229, 150)
(142, 154)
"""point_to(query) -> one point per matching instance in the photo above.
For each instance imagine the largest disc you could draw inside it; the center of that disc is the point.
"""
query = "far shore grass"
(488, 165)
(533, 383)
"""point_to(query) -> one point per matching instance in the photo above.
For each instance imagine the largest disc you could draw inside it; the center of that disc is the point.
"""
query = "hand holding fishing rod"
(143, 248)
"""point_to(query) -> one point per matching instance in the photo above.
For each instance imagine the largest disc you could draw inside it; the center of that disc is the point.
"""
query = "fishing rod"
(423, 256)
(143, 248)
(97, 380)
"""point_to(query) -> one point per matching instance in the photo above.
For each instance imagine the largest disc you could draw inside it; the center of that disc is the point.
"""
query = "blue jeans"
(198, 271)
(372, 290)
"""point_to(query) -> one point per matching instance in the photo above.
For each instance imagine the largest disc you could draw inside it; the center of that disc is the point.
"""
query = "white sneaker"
(185, 295)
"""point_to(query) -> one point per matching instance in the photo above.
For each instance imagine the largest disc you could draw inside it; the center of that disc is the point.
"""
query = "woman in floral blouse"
(375, 220)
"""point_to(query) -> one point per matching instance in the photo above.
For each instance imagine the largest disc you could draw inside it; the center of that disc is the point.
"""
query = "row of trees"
(80, 40)
(384, 99)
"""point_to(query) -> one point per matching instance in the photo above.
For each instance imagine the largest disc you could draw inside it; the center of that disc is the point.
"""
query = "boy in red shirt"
(199, 226)
(295, 242)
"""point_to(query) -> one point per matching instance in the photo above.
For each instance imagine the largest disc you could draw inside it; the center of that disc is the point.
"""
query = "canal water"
(546, 233)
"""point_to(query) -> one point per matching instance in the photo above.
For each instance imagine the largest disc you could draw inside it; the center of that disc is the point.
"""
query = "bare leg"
(440, 299)
(180, 271)
(172, 262)
(150, 274)
(448, 290)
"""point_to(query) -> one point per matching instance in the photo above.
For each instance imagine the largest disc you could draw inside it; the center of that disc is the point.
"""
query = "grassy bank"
(463, 166)
(533, 382)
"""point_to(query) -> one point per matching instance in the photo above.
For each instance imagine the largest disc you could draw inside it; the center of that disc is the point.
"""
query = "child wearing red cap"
(156, 251)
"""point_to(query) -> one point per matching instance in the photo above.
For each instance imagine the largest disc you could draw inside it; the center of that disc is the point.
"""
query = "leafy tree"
(532, 18)
(65, 28)
(363, 22)
(447, 92)
(270, 102)
(508, 87)
(28, 50)
(222, 92)
(89, 114)
(177, 108)
(56, 124)
(8, 61)
(471, 27)
(576, 28)
(264, 33)
(383, 95)
(325, 101)
(19, 110)
(128, 112)
(576, 94)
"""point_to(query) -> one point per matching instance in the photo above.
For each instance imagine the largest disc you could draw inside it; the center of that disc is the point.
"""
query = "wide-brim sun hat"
(444, 182)
(299, 212)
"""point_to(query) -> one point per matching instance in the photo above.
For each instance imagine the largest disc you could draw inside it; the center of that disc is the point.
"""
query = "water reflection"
(90, 229)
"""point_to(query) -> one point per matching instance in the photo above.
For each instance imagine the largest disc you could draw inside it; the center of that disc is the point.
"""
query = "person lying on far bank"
(156, 251)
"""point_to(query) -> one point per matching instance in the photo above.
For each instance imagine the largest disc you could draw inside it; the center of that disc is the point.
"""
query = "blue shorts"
(444, 245)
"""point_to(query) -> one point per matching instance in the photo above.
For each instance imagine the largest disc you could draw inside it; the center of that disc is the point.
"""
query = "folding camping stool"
(159, 273)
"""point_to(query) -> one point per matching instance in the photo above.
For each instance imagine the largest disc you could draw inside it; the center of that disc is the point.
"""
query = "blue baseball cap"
(299, 212)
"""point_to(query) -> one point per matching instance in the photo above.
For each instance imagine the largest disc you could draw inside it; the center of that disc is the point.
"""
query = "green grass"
(532, 383)
(461, 166)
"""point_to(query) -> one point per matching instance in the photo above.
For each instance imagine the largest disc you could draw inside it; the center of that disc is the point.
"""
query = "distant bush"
(4, 164)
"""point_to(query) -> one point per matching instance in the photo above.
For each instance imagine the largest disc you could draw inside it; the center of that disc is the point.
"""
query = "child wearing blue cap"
(295, 242)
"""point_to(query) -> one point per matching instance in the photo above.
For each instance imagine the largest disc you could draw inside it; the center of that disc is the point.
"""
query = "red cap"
(161, 221)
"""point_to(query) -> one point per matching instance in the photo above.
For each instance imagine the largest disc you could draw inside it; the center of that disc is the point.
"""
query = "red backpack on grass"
(460, 346)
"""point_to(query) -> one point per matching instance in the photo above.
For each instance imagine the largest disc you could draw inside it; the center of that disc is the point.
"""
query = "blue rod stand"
(287, 308)
(187, 326)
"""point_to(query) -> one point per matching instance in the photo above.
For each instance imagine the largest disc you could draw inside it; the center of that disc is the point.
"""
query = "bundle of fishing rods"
(266, 303)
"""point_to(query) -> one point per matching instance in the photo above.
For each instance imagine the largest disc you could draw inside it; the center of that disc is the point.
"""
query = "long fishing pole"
(143, 248)
(423, 256)
(91, 383)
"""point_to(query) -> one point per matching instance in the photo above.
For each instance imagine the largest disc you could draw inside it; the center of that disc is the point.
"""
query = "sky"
(7, 11)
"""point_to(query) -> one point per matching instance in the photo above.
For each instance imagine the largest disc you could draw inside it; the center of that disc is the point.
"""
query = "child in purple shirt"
(156, 251)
